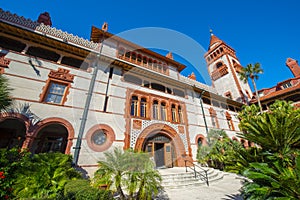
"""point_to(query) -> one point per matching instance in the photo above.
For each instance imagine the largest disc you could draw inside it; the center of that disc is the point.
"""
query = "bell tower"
(224, 68)
(293, 66)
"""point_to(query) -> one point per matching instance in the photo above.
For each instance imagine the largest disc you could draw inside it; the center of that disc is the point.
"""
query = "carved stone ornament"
(4, 62)
(61, 74)
(137, 124)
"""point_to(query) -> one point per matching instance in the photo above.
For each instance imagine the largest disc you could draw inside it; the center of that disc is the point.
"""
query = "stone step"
(178, 178)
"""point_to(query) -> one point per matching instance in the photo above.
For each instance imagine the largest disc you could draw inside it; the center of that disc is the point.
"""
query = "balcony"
(218, 73)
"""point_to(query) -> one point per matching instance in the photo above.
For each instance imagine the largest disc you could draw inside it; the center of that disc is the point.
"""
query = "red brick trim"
(109, 140)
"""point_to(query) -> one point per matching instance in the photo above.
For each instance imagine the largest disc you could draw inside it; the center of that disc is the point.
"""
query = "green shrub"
(81, 190)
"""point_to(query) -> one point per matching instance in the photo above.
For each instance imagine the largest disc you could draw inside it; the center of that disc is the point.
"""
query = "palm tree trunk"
(256, 92)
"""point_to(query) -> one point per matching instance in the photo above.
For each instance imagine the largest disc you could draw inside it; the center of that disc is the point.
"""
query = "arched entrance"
(51, 138)
(12, 133)
(161, 148)
(164, 144)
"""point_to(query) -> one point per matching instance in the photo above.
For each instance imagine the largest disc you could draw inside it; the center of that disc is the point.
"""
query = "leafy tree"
(129, 173)
(5, 98)
(252, 71)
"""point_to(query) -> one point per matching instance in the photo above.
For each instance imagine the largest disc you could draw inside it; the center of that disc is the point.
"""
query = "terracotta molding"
(110, 137)
(55, 120)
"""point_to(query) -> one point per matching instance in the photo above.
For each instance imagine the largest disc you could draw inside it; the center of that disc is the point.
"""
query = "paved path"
(225, 189)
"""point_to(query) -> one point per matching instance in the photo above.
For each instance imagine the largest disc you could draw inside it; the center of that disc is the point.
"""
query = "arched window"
(229, 121)
(127, 55)
(219, 64)
(164, 68)
(155, 65)
(174, 116)
(200, 142)
(143, 109)
(159, 67)
(214, 120)
(180, 115)
(155, 109)
(139, 58)
(163, 111)
(150, 63)
(134, 106)
(145, 60)
(133, 56)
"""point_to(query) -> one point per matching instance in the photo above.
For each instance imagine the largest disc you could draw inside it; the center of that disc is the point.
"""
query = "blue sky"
(264, 31)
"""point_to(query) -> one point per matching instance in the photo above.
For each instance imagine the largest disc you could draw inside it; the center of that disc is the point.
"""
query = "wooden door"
(168, 155)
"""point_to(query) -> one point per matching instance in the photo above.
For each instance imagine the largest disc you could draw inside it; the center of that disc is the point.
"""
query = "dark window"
(219, 64)
(178, 92)
(132, 79)
(206, 100)
(74, 62)
(127, 54)
(180, 115)
(139, 58)
(155, 110)
(10, 44)
(157, 86)
(223, 105)
(215, 103)
(133, 56)
(231, 108)
(143, 108)
(43, 53)
(134, 104)
(169, 91)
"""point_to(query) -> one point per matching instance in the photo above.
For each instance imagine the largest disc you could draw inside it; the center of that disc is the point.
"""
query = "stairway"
(177, 177)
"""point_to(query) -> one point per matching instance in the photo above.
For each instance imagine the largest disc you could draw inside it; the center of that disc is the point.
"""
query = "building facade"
(139, 99)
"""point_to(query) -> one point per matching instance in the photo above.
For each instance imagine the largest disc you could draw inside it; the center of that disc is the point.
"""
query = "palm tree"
(111, 171)
(5, 99)
(252, 72)
(130, 173)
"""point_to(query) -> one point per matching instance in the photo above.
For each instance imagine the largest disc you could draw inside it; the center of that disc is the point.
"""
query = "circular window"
(100, 137)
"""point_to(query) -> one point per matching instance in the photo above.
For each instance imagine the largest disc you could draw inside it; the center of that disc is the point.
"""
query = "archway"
(165, 143)
(52, 135)
(12, 133)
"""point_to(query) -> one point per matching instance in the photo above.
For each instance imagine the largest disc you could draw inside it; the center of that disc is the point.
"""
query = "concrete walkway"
(225, 189)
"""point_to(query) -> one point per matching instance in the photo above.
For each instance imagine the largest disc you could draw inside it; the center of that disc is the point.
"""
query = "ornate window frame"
(110, 137)
(214, 119)
(61, 76)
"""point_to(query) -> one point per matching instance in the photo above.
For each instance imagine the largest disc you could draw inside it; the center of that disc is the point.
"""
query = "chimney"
(45, 19)
(293, 65)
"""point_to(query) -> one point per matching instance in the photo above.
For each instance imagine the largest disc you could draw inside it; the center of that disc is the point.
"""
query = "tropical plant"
(276, 132)
(252, 71)
(275, 172)
(11, 161)
(5, 97)
(44, 176)
(81, 189)
(130, 174)
(218, 151)
(272, 181)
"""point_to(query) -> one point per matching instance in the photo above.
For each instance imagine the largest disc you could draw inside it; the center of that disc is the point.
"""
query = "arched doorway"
(51, 138)
(164, 142)
(12, 133)
(161, 149)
